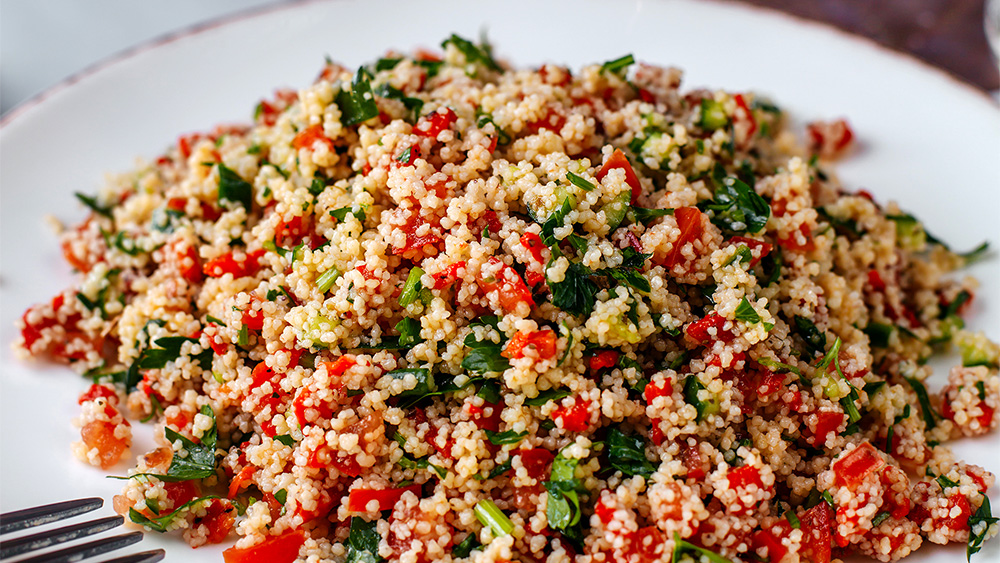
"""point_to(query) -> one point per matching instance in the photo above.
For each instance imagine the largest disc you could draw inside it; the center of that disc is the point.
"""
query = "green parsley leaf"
(627, 453)
(233, 188)
(814, 338)
(647, 216)
(473, 54)
(358, 104)
(464, 548)
(682, 548)
(746, 313)
(505, 438)
(927, 411)
(362, 542)
(576, 294)
(496, 472)
(737, 208)
(94, 205)
(979, 525)
(161, 523)
(546, 396)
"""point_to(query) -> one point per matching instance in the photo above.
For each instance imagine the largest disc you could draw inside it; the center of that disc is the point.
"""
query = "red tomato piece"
(816, 524)
(219, 520)
(543, 341)
(184, 257)
(646, 540)
(694, 462)
(743, 476)
(446, 277)
(689, 222)
(96, 392)
(792, 243)
(253, 317)
(489, 422)
(433, 124)
(180, 493)
(770, 538)
(534, 244)
(406, 157)
(241, 481)
(575, 417)
(536, 461)
(289, 233)
(875, 280)
(852, 469)
(492, 221)
(247, 265)
(359, 498)
(101, 435)
(308, 137)
(827, 424)
(699, 330)
(619, 160)
(604, 359)
(753, 244)
(511, 289)
(743, 113)
(278, 549)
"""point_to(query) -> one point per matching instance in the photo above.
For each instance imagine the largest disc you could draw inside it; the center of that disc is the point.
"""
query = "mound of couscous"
(438, 309)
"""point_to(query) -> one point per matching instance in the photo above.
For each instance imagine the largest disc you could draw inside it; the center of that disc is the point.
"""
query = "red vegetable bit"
(533, 243)
(489, 422)
(768, 382)
(575, 417)
(646, 96)
(542, 341)
(647, 543)
(290, 233)
(875, 280)
(183, 256)
(323, 505)
(511, 289)
(433, 124)
(604, 359)
(694, 462)
(689, 222)
(619, 160)
(553, 120)
(554, 75)
(633, 241)
(278, 549)
(700, 330)
(536, 462)
(816, 524)
(100, 434)
(852, 469)
(744, 476)
(827, 423)
(829, 138)
(308, 137)
(770, 538)
(218, 520)
(247, 265)
(492, 221)
(744, 115)
(253, 317)
(186, 142)
(753, 244)
(446, 277)
(793, 243)
(96, 391)
(406, 157)
(242, 480)
(359, 498)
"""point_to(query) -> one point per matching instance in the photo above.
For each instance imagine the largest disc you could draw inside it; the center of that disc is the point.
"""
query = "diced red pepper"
(433, 124)
(278, 549)
(241, 481)
(603, 359)
(543, 341)
(852, 469)
(619, 160)
(247, 265)
(218, 520)
(308, 137)
(744, 476)
(689, 222)
(536, 461)
(694, 462)
(489, 422)
(492, 221)
(553, 121)
(290, 233)
(575, 417)
(406, 157)
(359, 498)
(699, 330)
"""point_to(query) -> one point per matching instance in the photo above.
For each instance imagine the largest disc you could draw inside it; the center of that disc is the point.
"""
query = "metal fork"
(39, 515)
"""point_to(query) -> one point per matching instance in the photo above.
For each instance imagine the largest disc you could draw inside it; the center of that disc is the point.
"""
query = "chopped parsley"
(94, 205)
(618, 66)
(580, 182)
(979, 526)
(474, 54)
(362, 543)
(926, 410)
(627, 453)
(233, 188)
(506, 438)
(576, 293)
(160, 523)
(737, 208)
(358, 104)
(563, 508)
(546, 396)
(814, 338)
(746, 313)
(647, 216)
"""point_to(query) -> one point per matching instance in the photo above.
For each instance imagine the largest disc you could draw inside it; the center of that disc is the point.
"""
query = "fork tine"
(89, 549)
(29, 517)
(34, 542)
(144, 557)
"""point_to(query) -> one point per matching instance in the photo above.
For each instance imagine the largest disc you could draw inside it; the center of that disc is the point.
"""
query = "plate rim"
(98, 66)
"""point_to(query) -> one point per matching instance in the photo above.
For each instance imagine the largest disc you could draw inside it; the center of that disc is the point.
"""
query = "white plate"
(927, 140)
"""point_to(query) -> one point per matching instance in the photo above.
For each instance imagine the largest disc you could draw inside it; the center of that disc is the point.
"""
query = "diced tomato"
(603, 359)
(218, 520)
(489, 422)
(492, 221)
(852, 469)
(533, 243)
(875, 280)
(308, 137)
(948, 411)
(247, 265)
(827, 423)
(184, 257)
(290, 233)
(604, 511)
(96, 391)
(186, 142)
(557, 76)
(829, 139)
(792, 243)
(553, 120)
(433, 124)
(770, 538)
(694, 462)
(406, 157)
(816, 524)
(510, 288)
(101, 435)
(699, 330)
(743, 476)
(744, 115)
(647, 540)
(277, 549)
(241, 481)
(180, 493)
(179, 419)
(575, 417)
(543, 341)
(536, 462)
(447, 276)
(309, 409)
(689, 222)
(753, 244)
(619, 160)
(359, 498)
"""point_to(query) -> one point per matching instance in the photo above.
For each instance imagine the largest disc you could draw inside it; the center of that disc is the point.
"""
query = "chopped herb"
(425, 383)
(554, 221)
(286, 440)
(976, 253)
(793, 519)
(879, 518)
(473, 54)
(386, 64)
(466, 546)
(627, 453)
(405, 155)
(618, 66)
(317, 186)
(341, 214)
(546, 396)
(926, 410)
(746, 313)
(485, 359)
(981, 390)
(409, 332)
(326, 280)
(358, 104)
(682, 547)
(946, 482)
(647, 216)
(506, 438)
(737, 208)
(413, 288)
(161, 523)
(490, 392)
(281, 496)
(156, 408)
(771, 267)
(692, 385)
(414, 105)
(580, 182)
(743, 254)
(879, 334)
(126, 244)
(200, 460)
(873, 387)
(482, 118)
(979, 527)
(233, 188)
(814, 338)
(243, 337)
(489, 515)
(362, 543)
(576, 294)
(563, 508)
(496, 472)
(956, 304)
(92, 203)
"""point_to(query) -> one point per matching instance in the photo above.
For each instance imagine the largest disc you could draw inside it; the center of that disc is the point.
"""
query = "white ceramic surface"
(926, 140)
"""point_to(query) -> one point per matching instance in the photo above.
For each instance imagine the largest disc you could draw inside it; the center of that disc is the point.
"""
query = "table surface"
(45, 41)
